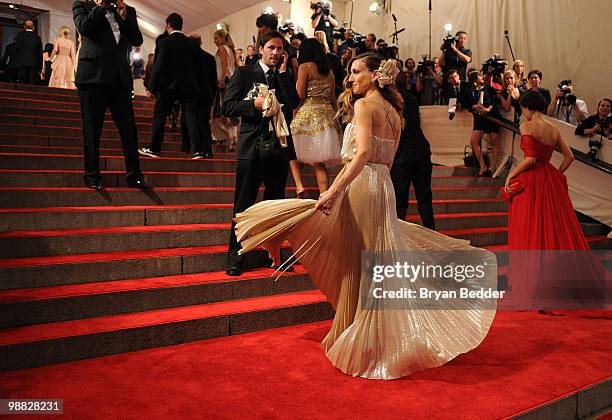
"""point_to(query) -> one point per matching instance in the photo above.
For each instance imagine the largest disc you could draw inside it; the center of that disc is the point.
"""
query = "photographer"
(455, 54)
(323, 20)
(429, 83)
(348, 41)
(597, 127)
(566, 106)
(109, 30)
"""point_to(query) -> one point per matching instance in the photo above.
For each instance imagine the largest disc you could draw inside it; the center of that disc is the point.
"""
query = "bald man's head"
(28, 25)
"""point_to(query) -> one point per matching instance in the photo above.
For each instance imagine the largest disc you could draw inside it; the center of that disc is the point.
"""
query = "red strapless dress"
(549, 266)
(542, 217)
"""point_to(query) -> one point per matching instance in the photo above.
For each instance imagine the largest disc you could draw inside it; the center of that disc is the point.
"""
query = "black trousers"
(28, 75)
(95, 99)
(163, 107)
(249, 176)
(417, 173)
(205, 145)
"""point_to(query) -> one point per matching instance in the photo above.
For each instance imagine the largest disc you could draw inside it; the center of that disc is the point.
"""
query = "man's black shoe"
(95, 185)
(138, 183)
(233, 270)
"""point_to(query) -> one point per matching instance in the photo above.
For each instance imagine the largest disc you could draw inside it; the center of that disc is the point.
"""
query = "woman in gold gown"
(354, 225)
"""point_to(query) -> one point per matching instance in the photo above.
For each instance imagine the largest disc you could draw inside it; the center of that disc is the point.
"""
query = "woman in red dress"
(541, 218)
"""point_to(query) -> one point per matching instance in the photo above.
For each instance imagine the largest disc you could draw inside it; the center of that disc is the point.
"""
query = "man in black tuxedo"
(175, 76)
(207, 86)
(412, 165)
(28, 47)
(454, 87)
(251, 171)
(108, 31)
(8, 67)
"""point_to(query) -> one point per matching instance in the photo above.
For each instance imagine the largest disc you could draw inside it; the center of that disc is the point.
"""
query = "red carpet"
(527, 360)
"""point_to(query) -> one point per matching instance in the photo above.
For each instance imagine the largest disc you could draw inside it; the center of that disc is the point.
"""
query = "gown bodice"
(383, 150)
(319, 90)
(531, 147)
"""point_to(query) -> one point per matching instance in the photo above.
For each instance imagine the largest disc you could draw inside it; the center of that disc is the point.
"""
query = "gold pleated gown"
(371, 338)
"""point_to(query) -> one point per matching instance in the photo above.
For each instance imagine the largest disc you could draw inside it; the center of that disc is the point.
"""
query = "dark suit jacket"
(101, 60)
(449, 92)
(177, 67)
(9, 59)
(28, 47)
(234, 104)
(413, 144)
(207, 82)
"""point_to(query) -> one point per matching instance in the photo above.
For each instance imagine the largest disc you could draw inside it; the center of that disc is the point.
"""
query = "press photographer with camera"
(455, 54)
(566, 106)
(597, 127)
(429, 82)
(109, 30)
(323, 20)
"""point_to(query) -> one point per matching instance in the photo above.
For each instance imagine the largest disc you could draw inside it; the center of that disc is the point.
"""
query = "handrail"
(580, 156)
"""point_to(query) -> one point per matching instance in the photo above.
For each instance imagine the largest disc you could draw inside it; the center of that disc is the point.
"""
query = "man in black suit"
(412, 165)
(175, 76)
(207, 85)
(29, 55)
(109, 30)
(251, 171)
(8, 67)
(454, 87)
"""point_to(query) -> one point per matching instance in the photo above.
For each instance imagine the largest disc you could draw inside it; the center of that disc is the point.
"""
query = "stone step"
(40, 243)
(68, 93)
(42, 344)
(79, 197)
(64, 96)
(63, 303)
(16, 104)
(25, 273)
(108, 216)
(52, 113)
(109, 132)
(74, 178)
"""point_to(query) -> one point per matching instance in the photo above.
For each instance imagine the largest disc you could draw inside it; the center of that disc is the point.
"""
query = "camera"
(564, 86)
(286, 28)
(494, 65)
(424, 65)
(321, 5)
(449, 40)
(594, 146)
(356, 41)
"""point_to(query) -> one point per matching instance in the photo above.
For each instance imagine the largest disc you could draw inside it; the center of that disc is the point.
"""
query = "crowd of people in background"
(27, 61)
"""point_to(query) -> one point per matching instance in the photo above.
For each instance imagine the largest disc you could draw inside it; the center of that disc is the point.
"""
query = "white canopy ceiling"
(196, 13)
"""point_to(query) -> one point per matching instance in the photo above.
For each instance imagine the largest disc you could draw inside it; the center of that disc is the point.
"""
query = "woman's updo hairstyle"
(387, 70)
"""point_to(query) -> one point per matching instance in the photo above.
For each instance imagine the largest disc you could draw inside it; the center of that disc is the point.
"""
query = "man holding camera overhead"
(323, 20)
(109, 30)
(566, 107)
(455, 55)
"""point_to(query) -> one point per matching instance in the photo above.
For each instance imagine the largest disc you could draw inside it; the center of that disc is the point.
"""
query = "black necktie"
(271, 78)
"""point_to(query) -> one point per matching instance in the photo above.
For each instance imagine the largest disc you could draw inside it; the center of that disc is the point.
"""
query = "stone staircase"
(85, 274)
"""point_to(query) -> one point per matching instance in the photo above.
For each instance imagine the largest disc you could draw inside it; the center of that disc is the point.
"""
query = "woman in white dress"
(224, 128)
(64, 58)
